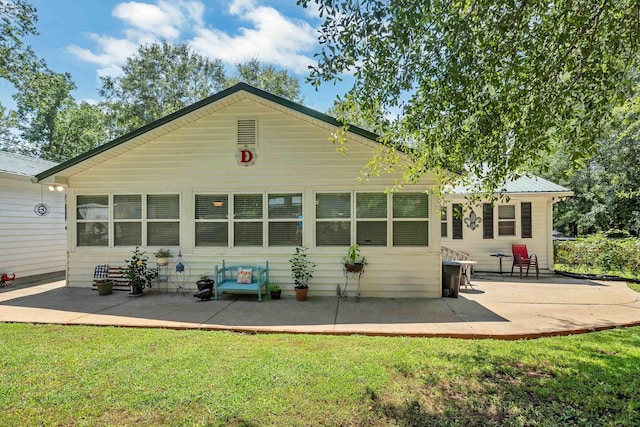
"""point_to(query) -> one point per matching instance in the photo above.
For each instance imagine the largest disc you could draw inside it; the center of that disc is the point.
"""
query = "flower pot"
(162, 261)
(301, 293)
(275, 294)
(204, 284)
(136, 291)
(104, 288)
(355, 267)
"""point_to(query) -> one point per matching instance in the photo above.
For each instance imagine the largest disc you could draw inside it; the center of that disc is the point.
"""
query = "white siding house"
(485, 229)
(246, 176)
(32, 220)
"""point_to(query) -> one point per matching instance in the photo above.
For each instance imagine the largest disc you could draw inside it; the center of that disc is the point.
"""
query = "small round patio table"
(500, 256)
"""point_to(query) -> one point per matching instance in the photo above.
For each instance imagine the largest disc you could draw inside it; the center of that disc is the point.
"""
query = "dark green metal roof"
(204, 102)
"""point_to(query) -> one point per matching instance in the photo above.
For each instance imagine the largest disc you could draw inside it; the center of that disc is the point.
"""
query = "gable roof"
(202, 104)
(20, 164)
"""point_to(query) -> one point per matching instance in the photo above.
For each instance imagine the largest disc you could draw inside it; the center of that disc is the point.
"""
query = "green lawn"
(57, 375)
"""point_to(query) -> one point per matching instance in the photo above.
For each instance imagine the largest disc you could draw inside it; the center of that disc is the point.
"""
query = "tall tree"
(483, 88)
(269, 78)
(17, 20)
(159, 79)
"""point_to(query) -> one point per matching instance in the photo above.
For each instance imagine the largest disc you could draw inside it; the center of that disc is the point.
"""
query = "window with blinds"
(92, 220)
(247, 220)
(443, 222)
(127, 220)
(371, 219)
(410, 219)
(333, 219)
(163, 220)
(285, 219)
(212, 219)
(506, 220)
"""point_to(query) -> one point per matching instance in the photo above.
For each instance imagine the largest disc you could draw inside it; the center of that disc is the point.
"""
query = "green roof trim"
(202, 103)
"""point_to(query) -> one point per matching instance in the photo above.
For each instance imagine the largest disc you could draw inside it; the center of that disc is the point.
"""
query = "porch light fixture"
(56, 187)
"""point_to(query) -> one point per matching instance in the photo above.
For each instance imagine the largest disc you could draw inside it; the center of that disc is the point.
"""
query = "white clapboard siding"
(480, 249)
(30, 245)
(294, 154)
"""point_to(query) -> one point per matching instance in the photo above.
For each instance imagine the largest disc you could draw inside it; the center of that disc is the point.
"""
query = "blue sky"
(92, 38)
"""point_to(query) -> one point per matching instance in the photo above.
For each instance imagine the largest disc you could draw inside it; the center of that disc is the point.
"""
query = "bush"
(598, 254)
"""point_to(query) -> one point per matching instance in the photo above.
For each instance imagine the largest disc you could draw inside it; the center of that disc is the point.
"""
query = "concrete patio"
(498, 307)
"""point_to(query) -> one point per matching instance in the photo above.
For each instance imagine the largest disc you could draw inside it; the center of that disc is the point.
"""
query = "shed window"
(507, 220)
(443, 222)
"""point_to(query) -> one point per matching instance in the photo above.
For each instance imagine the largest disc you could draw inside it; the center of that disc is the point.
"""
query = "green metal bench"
(226, 278)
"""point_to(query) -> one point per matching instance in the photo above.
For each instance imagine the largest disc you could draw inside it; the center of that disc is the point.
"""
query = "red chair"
(521, 258)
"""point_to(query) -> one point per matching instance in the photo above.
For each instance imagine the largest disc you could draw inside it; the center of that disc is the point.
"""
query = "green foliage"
(137, 271)
(17, 20)
(159, 79)
(482, 88)
(62, 375)
(301, 268)
(274, 287)
(599, 254)
(163, 253)
(268, 78)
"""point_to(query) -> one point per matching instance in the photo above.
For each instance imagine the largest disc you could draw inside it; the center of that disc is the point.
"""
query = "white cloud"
(268, 35)
(271, 38)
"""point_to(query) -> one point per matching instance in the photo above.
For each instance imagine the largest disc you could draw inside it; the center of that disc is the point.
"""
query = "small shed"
(523, 216)
(33, 240)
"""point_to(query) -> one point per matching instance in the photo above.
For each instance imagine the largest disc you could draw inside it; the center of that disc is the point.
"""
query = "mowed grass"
(87, 376)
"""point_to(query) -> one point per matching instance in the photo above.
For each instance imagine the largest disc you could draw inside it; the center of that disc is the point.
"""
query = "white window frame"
(506, 220)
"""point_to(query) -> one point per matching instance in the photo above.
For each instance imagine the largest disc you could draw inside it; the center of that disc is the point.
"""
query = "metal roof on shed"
(20, 164)
(525, 184)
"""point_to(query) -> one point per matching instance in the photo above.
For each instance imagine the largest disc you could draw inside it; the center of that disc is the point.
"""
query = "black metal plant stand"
(352, 274)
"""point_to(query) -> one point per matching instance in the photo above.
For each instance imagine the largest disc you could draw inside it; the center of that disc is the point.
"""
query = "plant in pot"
(138, 273)
(275, 291)
(163, 256)
(205, 282)
(301, 272)
(353, 262)
(104, 286)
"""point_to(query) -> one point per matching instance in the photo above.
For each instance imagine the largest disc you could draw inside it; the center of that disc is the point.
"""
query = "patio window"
(371, 219)
(285, 219)
(212, 219)
(127, 220)
(92, 220)
(163, 220)
(333, 219)
(247, 220)
(410, 219)
(506, 220)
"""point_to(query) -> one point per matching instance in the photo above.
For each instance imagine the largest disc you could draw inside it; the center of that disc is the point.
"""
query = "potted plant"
(301, 272)
(275, 291)
(353, 262)
(205, 282)
(163, 256)
(138, 273)
(104, 285)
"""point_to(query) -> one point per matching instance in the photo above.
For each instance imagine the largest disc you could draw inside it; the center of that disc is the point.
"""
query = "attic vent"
(246, 132)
